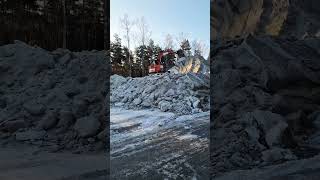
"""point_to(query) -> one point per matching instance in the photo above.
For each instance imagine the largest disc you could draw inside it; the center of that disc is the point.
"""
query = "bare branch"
(181, 37)
(126, 24)
(143, 30)
(199, 47)
(168, 42)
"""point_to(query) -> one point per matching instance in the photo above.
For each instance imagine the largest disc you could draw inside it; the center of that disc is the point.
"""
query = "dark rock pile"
(53, 99)
(265, 100)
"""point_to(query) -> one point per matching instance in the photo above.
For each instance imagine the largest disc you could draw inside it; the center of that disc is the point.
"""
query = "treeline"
(137, 33)
(72, 24)
(141, 57)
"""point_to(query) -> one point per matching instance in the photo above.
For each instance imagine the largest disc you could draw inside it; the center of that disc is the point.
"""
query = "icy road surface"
(149, 144)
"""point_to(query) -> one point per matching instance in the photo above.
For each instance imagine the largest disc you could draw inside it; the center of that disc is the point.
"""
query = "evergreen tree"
(142, 58)
(126, 63)
(150, 52)
(139, 52)
(185, 46)
(77, 24)
(116, 51)
(126, 54)
(156, 52)
(153, 52)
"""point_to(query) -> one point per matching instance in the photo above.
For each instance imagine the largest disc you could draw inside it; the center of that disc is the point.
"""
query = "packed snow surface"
(161, 144)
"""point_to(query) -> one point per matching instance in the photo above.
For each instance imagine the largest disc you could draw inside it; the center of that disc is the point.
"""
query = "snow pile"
(193, 64)
(195, 67)
(167, 92)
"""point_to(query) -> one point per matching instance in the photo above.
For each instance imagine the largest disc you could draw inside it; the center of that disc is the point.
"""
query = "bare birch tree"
(144, 33)
(126, 25)
(181, 37)
(199, 47)
(168, 42)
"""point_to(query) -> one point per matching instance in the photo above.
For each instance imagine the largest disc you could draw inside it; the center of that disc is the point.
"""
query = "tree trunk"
(64, 45)
(129, 59)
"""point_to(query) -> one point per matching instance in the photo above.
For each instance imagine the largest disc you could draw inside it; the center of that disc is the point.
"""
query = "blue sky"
(192, 17)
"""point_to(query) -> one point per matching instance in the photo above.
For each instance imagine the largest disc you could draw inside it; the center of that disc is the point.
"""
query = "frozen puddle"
(150, 144)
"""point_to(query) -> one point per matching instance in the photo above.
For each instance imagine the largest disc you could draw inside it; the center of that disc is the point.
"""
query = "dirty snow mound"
(167, 92)
(266, 103)
(55, 99)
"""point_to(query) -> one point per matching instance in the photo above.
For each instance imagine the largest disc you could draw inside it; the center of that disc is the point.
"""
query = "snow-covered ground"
(151, 143)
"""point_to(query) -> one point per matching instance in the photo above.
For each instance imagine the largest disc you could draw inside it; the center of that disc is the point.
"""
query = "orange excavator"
(165, 61)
